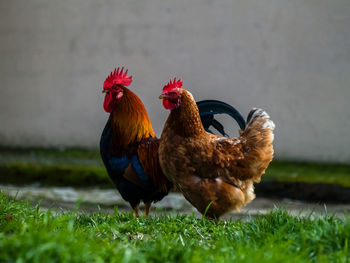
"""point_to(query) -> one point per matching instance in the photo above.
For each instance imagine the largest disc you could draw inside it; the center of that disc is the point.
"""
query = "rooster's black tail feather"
(207, 110)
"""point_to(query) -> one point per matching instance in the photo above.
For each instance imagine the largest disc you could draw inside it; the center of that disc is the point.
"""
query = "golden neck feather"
(130, 121)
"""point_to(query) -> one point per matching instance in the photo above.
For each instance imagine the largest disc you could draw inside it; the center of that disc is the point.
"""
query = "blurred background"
(291, 58)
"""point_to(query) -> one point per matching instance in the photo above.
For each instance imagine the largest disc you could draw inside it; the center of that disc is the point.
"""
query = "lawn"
(308, 173)
(81, 168)
(30, 235)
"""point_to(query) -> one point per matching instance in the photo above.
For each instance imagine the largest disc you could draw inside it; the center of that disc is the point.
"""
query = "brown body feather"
(149, 159)
(209, 169)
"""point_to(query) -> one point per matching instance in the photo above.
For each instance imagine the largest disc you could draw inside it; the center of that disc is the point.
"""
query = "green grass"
(308, 173)
(56, 175)
(30, 235)
(81, 168)
(69, 167)
(50, 156)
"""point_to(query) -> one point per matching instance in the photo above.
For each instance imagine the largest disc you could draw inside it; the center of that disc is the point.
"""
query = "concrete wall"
(290, 57)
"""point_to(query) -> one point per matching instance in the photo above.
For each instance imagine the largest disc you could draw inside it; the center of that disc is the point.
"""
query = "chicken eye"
(172, 94)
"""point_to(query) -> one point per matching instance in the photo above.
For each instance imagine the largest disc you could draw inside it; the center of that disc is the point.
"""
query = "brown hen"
(213, 173)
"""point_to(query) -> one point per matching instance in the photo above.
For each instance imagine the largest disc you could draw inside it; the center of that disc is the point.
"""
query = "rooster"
(129, 146)
(215, 174)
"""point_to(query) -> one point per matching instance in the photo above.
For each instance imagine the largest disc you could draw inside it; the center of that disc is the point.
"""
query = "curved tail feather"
(207, 110)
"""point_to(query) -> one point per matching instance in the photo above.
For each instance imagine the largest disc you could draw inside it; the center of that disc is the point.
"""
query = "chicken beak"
(104, 91)
(162, 96)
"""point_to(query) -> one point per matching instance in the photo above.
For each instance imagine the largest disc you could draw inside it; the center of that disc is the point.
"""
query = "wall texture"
(291, 58)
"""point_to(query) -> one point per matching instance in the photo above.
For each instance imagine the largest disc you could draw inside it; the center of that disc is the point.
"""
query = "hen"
(215, 174)
(128, 144)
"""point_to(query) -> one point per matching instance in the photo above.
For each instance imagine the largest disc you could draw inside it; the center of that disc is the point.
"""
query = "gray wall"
(290, 57)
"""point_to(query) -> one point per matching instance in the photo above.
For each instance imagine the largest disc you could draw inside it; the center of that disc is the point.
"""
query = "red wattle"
(108, 103)
(168, 105)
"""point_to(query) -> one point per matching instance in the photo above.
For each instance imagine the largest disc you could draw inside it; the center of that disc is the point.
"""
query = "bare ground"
(105, 200)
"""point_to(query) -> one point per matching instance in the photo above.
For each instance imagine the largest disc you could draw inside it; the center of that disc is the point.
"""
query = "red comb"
(117, 77)
(172, 84)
